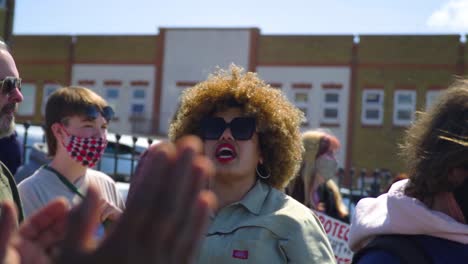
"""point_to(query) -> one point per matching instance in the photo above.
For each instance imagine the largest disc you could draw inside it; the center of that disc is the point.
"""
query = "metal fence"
(118, 161)
(365, 184)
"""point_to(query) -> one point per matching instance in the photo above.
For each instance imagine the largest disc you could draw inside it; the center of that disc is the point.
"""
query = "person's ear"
(58, 131)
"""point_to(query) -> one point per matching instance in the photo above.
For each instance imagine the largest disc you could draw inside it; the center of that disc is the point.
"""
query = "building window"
(138, 109)
(431, 97)
(27, 107)
(301, 100)
(112, 93)
(138, 101)
(404, 107)
(139, 94)
(330, 106)
(301, 97)
(112, 96)
(49, 88)
(372, 107)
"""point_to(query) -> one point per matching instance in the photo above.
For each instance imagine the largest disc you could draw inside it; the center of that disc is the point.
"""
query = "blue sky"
(271, 16)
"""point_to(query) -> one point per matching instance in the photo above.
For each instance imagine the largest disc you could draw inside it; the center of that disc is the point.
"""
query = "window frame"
(330, 105)
(430, 94)
(27, 101)
(397, 106)
(379, 106)
(138, 100)
(303, 104)
(45, 94)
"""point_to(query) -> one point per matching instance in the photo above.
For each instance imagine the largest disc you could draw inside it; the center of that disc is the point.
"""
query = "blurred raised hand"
(36, 239)
(166, 215)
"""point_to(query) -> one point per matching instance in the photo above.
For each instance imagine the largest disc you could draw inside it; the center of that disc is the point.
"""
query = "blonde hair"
(340, 206)
(277, 120)
(312, 141)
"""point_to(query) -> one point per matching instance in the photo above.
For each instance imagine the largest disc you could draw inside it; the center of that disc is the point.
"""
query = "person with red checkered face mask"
(76, 129)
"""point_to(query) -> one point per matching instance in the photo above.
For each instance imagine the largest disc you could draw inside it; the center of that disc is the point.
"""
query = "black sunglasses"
(242, 128)
(93, 112)
(9, 84)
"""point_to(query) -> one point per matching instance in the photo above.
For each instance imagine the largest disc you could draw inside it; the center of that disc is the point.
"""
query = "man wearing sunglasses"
(146, 232)
(10, 87)
(10, 97)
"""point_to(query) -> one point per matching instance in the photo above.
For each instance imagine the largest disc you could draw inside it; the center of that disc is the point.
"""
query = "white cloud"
(452, 15)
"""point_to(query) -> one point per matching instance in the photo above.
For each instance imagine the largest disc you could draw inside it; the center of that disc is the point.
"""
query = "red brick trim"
(253, 49)
(332, 85)
(302, 85)
(276, 85)
(158, 63)
(303, 64)
(185, 84)
(139, 83)
(373, 86)
(405, 87)
(86, 82)
(113, 83)
(351, 111)
(372, 126)
(71, 60)
(461, 59)
(436, 88)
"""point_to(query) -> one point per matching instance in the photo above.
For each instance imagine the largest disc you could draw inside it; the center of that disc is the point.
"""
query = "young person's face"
(83, 126)
(8, 100)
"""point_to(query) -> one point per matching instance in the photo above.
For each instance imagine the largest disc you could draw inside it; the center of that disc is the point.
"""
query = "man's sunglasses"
(93, 112)
(242, 128)
(9, 84)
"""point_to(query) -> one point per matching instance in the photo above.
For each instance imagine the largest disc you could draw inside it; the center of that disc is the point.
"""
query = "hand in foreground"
(35, 239)
(166, 214)
(108, 211)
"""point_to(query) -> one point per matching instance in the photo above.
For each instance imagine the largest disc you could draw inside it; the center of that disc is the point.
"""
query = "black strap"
(405, 247)
(71, 187)
(65, 181)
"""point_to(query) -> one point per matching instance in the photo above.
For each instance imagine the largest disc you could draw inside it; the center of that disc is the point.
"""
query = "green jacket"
(266, 226)
(8, 190)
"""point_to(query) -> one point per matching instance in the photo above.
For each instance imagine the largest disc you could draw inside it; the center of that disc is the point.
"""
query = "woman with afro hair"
(250, 132)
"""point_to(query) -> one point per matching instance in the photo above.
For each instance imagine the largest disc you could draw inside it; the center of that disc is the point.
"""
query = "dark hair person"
(431, 207)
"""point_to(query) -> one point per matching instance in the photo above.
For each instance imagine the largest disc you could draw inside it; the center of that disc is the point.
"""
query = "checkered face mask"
(86, 150)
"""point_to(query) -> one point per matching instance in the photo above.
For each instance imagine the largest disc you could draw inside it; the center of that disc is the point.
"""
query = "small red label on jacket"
(240, 254)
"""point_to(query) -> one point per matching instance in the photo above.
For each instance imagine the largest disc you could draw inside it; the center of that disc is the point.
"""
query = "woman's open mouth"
(225, 153)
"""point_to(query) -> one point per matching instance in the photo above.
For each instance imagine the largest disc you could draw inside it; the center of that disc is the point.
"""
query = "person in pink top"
(430, 209)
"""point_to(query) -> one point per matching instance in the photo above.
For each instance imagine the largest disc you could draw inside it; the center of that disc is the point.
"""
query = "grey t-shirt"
(44, 186)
